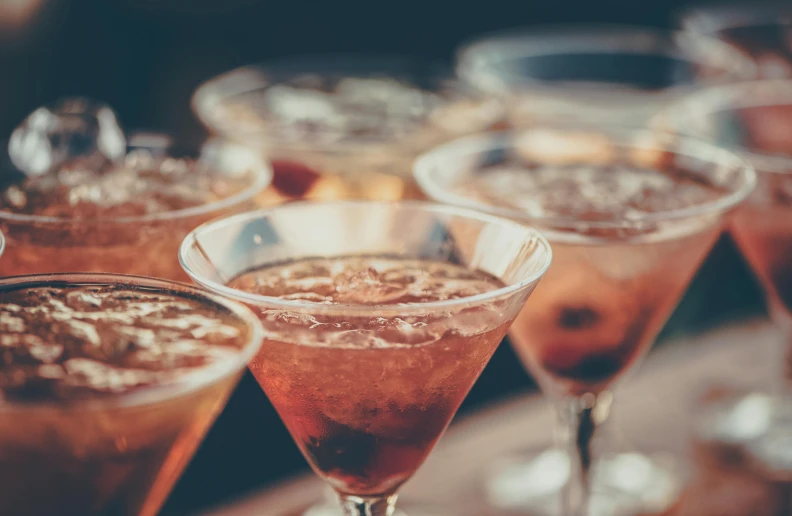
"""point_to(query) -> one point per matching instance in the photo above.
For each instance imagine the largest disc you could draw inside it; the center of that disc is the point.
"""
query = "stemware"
(600, 73)
(341, 127)
(761, 31)
(111, 385)
(630, 214)
(379, 317)
(78, 195)
(754, 119)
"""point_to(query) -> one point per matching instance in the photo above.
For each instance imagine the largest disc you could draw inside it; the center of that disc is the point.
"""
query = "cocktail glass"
(367, 387)
(600, 73)
(761, 31)
(754, 119)
(85, 429)
(630, 215)
(58, 218)
(341, 127)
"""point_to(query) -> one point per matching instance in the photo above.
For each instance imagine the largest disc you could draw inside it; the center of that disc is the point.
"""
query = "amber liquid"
(764, 235)
(600, 306)
(139, 248)
(366, 419)
(108, 462)
(367, 397)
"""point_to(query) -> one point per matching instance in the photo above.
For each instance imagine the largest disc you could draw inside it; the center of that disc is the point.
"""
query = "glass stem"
(580, 418)
(367, 506)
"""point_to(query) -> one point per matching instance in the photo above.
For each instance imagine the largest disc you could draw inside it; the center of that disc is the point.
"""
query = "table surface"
(653, 407)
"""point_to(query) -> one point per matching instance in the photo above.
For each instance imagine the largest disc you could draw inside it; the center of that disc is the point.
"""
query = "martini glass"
(630, 215)
(380, 319)
(760, 30)
(612, 73)
(109, 384)
(78, 195)
(755, 120)
(341, 127)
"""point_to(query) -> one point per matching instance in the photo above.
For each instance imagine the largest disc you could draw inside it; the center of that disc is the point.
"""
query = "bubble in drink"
(107, 391)
(365, 397)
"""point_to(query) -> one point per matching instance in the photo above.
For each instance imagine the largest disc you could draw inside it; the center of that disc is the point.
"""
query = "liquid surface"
(89, 193)
(366, 396)
(587, 193)
(141, 185)
(367, 281)
(67, 343)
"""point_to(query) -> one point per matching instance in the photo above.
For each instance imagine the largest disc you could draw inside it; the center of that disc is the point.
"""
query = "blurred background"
(146, 57)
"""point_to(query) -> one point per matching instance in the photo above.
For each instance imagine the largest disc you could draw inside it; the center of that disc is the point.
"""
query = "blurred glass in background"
(599, 74)
(759, 30)
(339, 127)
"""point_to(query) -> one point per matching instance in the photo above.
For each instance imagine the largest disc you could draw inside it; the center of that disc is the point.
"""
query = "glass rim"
(254, 77)
(711, 19)
(2, 243)
(571, 38)
(155, 393)
(483, 142)
(353, 309)
(731, 97)
(263, 177)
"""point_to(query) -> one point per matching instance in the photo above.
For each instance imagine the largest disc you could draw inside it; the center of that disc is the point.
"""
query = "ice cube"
(74, 130)
(366, 286)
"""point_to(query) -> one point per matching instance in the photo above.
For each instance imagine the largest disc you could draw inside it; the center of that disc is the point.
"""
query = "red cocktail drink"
(109, 384)
(378, 319)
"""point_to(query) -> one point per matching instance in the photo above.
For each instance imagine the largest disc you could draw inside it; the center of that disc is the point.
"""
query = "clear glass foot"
(736, 419)
(330, 510)
(622, 483)
(758, 424)
(329, 507)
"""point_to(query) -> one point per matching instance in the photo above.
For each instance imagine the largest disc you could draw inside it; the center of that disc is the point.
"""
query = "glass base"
(622, 483)
(758, 424)
(331, 509)
(735, 419)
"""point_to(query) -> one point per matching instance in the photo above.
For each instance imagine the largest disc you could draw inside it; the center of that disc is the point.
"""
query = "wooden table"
(654, 408)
